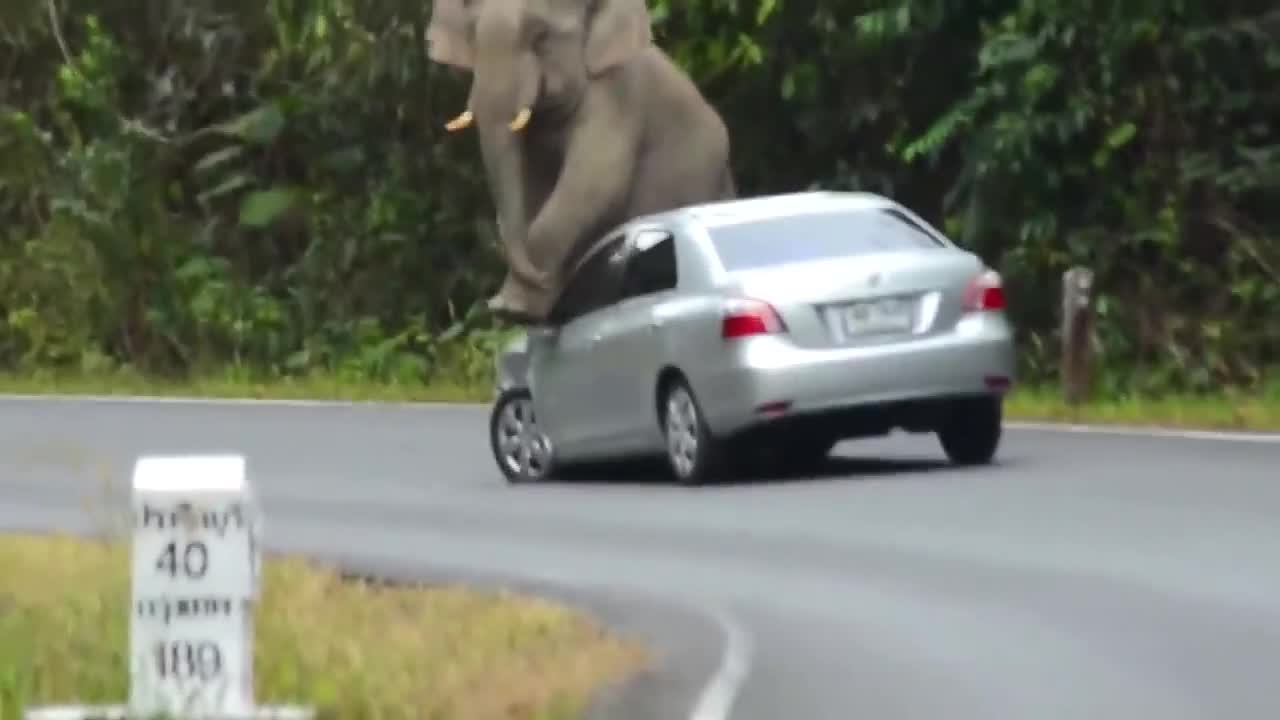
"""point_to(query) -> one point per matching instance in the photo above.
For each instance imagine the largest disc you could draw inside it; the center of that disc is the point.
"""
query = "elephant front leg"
(520, 268)
(521, 302)
(593, 184)
(524, 287)
(527, 290)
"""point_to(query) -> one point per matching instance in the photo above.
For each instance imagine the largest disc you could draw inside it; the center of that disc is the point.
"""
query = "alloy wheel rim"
(523, 448)
(682, 432)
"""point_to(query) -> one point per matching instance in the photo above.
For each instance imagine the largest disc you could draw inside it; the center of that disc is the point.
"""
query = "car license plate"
(888, 315)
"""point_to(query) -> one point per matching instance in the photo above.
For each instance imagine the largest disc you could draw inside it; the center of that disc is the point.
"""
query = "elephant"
(583, 123)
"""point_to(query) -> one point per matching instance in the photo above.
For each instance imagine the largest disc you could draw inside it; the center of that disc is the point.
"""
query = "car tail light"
(985, 292)
(743, 318)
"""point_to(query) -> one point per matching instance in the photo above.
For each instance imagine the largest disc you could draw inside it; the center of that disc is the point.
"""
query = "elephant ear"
(449, 35)
(616, 30)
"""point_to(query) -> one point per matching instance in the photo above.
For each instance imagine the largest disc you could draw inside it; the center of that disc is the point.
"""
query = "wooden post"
(1077, 333)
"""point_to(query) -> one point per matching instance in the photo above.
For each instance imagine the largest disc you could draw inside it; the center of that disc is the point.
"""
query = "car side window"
(652, 267)
(593, 285)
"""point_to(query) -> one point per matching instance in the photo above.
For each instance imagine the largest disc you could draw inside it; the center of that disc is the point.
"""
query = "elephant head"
(531, 62)
(528, 56)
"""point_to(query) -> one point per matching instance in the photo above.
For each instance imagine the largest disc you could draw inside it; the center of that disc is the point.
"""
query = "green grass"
(1235, 411)
(351, 650)
(1256, 411)
(231, 385)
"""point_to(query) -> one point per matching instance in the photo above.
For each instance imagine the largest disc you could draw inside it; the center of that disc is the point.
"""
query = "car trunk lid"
(864, 299)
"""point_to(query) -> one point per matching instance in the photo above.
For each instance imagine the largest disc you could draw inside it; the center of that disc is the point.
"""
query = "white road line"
(1077, 428)
(1145, 431)
(716, 699)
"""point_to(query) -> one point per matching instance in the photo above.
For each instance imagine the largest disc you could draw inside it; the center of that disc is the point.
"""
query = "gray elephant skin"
(583, 122)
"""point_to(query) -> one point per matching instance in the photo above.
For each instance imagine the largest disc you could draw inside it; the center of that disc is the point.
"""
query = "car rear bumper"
(769, 380)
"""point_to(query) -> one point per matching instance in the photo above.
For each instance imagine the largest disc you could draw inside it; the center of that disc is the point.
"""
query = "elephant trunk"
(505, 169)
(502, 147)
(504, 91)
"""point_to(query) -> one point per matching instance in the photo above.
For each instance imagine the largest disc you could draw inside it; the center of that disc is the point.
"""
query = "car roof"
(763, 207)
(738, 210)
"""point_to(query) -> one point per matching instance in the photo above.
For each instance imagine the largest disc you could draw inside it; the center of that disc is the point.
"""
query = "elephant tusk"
(521, 120)
(460, 122)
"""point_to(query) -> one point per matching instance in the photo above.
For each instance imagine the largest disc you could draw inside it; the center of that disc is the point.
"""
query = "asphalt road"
(1084, 576)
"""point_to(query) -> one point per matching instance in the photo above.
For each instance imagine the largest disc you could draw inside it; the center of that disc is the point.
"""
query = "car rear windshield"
(817, 236)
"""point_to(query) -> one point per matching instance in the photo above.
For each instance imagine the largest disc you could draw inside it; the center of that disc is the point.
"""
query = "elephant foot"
(502, 309)
(516, 304)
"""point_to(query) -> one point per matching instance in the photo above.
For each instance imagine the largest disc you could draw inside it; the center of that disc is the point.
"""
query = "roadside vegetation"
(349, 649)
(1232, 409)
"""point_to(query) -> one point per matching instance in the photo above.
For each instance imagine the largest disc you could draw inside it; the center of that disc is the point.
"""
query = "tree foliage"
(267, 184)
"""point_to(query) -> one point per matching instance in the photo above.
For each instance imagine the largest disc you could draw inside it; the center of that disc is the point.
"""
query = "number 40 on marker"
(194, 559)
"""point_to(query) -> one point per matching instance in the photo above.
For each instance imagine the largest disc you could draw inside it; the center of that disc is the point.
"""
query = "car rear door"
(568, 375)
(630, 348)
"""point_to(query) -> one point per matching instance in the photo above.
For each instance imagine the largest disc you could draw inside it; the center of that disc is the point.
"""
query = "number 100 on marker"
(188, 660)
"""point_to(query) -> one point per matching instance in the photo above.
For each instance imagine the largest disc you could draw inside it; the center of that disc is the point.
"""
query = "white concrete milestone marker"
(194, 583)
(196, 567)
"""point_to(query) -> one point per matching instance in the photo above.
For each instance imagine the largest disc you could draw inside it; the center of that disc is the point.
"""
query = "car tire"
(523, 453)
(694, 456)
(971, 432)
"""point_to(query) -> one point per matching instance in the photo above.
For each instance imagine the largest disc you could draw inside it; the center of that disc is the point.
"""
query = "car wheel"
(522, 451)
(971, 432)
(693, 454)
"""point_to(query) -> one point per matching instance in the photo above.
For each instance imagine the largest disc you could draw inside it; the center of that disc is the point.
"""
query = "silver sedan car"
(758, 331)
